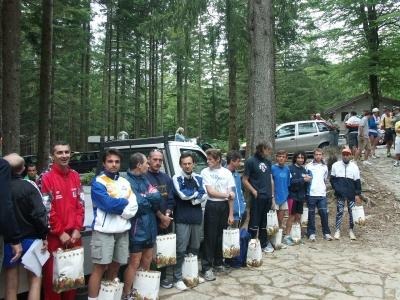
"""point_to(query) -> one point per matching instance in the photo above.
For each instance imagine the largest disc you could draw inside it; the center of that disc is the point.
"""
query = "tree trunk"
(199, 89)
(105, 84)
(116, 79)
(261, 102)
(370, 29)
(45, 85)
(162, 88)
(233, 134)
(137, 89)
(11, 18)
(179, 90)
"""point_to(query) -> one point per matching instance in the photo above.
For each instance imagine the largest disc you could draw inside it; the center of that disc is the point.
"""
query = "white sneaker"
(366, 162)
(396, 164)
(180, 286)
(268, 249)
(328, 237)
(352, 236)
(201, 280)
(373, 156)
(337, 235)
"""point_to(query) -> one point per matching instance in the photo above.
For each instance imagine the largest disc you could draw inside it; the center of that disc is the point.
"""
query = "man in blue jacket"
(143, 232)
(233, 159)
(114, 204)
(345, 180)
(189, 194)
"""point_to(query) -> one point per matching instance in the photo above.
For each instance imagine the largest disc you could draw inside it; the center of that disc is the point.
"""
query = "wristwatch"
(167, 214)
(273, 196)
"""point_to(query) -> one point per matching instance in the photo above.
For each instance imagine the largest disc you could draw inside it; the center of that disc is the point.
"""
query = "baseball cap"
(346, 150)
(396, 107)
(375, 109)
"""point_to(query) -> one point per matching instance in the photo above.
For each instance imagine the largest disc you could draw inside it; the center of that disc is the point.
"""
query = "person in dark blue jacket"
(8, 224)
(163, 183)
(299, 180)
(143, 232)
(189, 194)
(345, 180)
(233, 159)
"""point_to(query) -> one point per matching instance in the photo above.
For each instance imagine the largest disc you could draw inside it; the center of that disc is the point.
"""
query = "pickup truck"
(172, 151)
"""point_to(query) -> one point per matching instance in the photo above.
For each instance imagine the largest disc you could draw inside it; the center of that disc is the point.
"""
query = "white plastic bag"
(358, 215)
(111, 290)
(190, 271)
(272, 223)
(276, 240)
(254, 253)
(68, 269)
(304, 217)
(230, 243)
(146, 285)
(164, 251)
(295, 233)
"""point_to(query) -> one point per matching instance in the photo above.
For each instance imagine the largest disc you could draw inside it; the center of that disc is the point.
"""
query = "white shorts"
(397, 144)
(283, 206)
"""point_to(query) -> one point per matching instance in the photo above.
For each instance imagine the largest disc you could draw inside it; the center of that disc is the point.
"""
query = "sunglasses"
(156, 150)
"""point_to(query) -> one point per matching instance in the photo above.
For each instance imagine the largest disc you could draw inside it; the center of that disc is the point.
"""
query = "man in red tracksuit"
(63, 197)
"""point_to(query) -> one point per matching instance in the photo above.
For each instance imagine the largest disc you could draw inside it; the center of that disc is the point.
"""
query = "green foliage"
(221, 145)
(87, 178)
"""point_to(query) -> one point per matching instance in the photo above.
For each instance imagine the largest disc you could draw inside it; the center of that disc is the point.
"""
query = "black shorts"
(295, 207)
(388, 134)
(137, 248)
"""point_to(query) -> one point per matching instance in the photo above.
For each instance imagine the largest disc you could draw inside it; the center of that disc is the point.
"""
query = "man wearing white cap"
(345, 180)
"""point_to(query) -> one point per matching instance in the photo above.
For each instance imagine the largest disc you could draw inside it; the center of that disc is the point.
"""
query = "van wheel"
(323, 146)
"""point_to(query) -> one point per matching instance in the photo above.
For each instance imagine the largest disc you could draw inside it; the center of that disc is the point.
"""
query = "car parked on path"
(83, 162)
(300, 135)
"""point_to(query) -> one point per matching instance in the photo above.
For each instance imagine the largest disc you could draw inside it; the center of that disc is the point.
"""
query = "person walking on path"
(364, 142)
(318, 171)
(345, 180)
(257, 178)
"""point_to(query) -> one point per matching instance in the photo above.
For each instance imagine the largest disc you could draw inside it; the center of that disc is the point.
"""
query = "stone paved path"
(368, 268)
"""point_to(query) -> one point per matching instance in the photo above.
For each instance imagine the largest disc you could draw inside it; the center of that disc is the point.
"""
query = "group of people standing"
(287, 188)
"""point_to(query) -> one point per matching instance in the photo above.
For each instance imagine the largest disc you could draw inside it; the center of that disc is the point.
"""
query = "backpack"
(240, 261)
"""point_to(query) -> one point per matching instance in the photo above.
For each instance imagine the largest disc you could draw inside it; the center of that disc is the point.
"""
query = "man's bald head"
(16, 162)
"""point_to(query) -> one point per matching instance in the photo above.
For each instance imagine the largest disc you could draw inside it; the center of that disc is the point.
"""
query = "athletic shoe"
(311, 238)
(396, 164)
(201, 279)
(283, 246)
(389, 154)
(288, 241)
(337, 235)
(302, 242)
(268, 249)
(221, 269)
(352, 236)
(328, 237)
(226, 265)
(129, 297)
(166, 284)
(366, 162)
(180, 286)
(373, 156)
(209, 275)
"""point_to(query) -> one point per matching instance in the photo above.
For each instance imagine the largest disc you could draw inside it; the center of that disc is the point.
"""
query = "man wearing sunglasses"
(345, 180)
(163, 183)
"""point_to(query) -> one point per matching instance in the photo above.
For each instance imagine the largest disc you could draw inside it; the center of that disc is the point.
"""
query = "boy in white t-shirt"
(218, 213)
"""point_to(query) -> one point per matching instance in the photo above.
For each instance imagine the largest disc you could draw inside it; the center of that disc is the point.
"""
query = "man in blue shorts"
(30, 214)
(143, 232)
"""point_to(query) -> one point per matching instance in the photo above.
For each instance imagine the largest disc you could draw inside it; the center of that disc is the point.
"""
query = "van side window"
(307, 128)
(322, 127)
